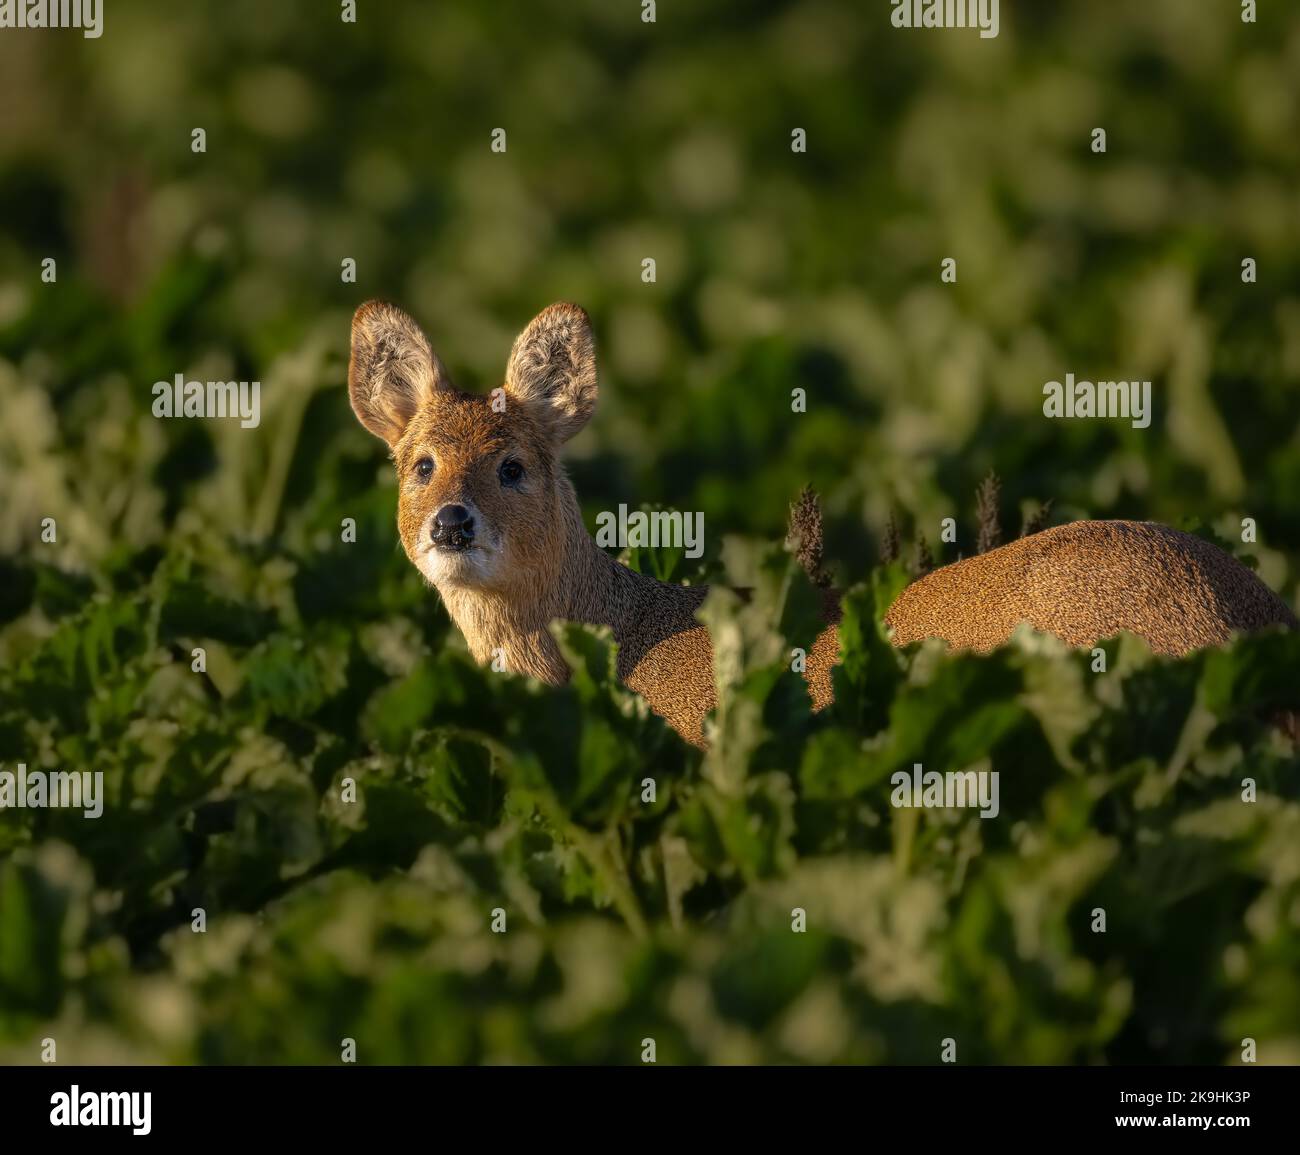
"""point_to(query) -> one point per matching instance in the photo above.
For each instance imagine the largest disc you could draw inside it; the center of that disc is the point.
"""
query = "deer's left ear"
(553, 369)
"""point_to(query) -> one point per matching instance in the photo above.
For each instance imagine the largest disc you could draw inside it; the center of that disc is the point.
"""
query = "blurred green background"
(775, 270)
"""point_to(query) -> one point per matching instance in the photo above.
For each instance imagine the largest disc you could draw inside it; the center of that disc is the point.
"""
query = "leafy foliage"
(629, 918)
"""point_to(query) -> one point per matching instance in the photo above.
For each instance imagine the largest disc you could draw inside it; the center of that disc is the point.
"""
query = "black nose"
(453, 527)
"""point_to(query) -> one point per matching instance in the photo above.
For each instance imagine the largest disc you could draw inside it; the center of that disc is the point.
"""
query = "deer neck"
(599, 591)
(589, 587)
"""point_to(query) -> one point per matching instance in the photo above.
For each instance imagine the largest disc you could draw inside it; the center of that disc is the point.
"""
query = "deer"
(488, 516)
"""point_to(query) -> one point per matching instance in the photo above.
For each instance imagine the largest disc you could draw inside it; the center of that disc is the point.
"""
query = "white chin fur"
(471, 567)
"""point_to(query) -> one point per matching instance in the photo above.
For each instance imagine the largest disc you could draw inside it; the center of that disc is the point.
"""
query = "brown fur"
(556, 571)
(537, 563)
(1088, 581)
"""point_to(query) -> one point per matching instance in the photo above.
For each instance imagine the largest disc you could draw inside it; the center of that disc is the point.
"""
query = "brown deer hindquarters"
(1088, 581)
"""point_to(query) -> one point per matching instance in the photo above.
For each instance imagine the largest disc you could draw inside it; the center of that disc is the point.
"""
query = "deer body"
(486, 513)
(1087, 581)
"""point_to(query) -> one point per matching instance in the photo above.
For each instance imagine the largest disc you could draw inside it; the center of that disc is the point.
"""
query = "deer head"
(485, 511)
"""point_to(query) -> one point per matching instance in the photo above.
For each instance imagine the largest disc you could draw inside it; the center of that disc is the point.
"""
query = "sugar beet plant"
(324, 823)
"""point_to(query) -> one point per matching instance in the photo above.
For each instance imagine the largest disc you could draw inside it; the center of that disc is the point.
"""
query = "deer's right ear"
(392, 371)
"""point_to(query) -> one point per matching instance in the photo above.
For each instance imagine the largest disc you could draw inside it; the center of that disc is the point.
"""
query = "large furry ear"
(553, 369)
(392, 371)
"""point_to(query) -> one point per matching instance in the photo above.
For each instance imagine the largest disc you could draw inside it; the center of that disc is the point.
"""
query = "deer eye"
(423, 468)
(511, 473)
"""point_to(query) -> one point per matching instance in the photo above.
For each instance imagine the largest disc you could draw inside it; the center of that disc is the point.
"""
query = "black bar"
(365, 1103)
